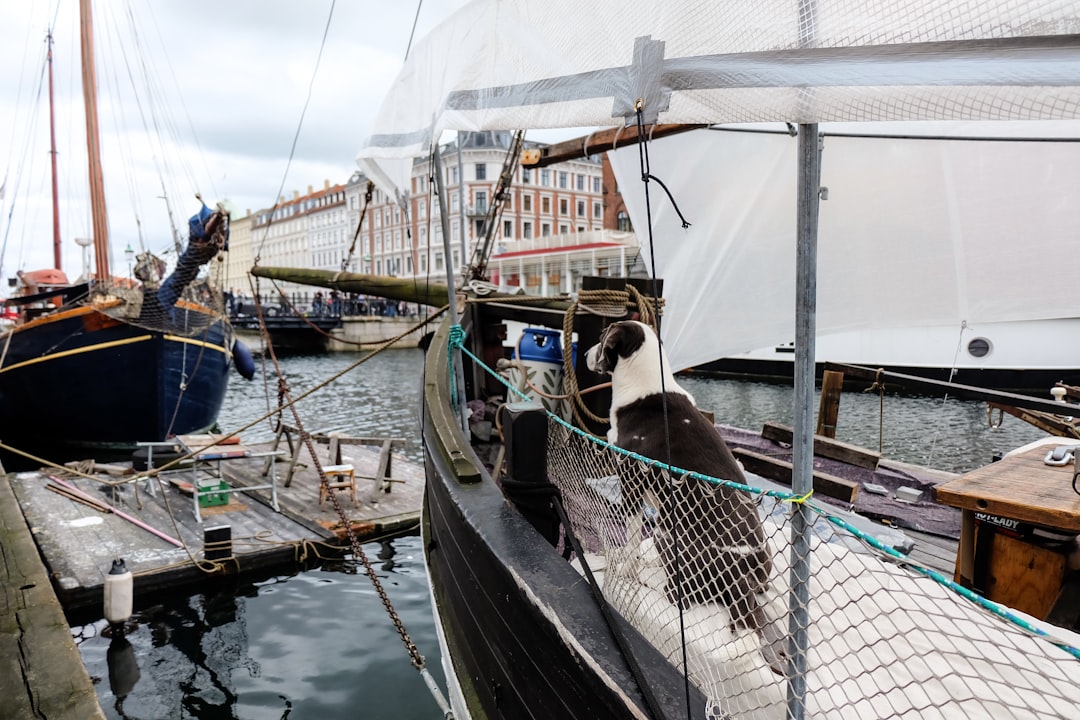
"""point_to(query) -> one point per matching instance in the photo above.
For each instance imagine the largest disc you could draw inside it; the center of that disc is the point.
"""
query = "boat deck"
(79, 542)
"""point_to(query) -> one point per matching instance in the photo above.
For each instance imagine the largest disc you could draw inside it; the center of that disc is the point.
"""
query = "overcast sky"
(229, 79)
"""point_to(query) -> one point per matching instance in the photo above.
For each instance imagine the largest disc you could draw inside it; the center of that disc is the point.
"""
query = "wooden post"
(832, 383)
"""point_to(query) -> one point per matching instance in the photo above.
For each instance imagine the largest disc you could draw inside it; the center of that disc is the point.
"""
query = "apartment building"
(555, 225)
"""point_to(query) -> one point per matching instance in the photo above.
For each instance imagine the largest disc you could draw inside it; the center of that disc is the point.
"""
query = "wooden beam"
(1052, 424)
(598, 142)
(965, 392)
(780, 471)
(826, 447)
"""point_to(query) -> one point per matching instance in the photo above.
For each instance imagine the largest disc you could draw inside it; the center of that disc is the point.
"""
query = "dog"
(716, 531)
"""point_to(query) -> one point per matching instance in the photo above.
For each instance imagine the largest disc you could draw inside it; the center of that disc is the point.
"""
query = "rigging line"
(672, 505)
(412, 33)
(952, 374)
(22, 164)
(299, 125)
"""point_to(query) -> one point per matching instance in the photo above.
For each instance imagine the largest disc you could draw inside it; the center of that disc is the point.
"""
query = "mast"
(52, 155)
(93, 144)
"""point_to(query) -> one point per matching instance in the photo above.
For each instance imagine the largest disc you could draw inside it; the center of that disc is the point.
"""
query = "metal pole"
(461, 204)
(451, 293)
(802, 481)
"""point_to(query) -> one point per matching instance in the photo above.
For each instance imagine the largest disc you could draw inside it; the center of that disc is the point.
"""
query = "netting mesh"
(885, 640)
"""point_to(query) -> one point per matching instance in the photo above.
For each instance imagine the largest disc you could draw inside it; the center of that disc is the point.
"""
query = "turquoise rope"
(988, 605)
(455, 339)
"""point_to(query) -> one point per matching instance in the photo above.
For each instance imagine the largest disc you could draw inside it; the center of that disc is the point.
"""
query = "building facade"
(554, 225)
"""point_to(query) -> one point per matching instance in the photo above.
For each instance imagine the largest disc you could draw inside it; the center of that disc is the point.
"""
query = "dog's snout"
(591, 357)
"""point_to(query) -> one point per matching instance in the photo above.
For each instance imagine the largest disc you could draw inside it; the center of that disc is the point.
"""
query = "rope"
(604, 303)
(879, 385)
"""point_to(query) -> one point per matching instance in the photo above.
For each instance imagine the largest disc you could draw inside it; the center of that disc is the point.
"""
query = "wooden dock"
(41, 672)
(79, 541)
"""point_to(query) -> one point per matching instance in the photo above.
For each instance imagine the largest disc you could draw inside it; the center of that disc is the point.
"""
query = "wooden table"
(1007, 497)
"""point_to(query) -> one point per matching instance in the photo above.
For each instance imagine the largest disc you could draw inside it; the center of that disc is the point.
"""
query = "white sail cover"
(933, 227)
(509, 64)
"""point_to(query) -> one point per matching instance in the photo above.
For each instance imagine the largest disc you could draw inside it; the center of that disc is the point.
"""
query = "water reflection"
(316, 644)
(123, 669)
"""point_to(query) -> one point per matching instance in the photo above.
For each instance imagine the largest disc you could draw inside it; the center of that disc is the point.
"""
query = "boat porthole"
(979, 347)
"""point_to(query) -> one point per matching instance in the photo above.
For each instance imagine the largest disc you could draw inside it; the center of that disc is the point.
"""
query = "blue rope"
(988, 605)
(456, 339)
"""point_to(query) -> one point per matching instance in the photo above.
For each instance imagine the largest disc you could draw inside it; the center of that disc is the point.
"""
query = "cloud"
(227, 84)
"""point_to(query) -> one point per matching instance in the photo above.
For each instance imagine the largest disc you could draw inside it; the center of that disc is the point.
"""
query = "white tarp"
(939, 232)
(512, 64)
(914, 232)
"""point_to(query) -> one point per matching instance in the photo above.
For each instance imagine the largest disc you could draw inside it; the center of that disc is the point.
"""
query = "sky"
(222, 86)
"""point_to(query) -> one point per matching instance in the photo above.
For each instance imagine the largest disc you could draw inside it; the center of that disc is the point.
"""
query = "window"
(545, 177)
(622, 222)
(508, 228)
(479, 232)
(564, 206)
(564, 178)
(526, 230)
(526, 203)
(581, 208)
(564, 229)
(597, 210)
(481, 201)
(545, 229)
(526, 176)
(481, 171)
(596, 185)
(545, 205)
(580, 182)
(454, 202)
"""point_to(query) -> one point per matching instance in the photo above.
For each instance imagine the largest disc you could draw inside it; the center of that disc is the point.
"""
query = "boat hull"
(524, 635)
(1027, 357)
(81, 379)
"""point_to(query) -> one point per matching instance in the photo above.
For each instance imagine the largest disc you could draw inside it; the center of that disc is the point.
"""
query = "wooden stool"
(340, 472)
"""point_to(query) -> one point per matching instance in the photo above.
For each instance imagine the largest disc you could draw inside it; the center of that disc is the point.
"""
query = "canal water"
(319, 645)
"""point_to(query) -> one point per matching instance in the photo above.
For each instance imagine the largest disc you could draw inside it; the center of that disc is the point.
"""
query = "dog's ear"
(609, 348)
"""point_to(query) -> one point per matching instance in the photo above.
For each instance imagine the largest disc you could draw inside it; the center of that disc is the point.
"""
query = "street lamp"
(85, 244)
(130, 255)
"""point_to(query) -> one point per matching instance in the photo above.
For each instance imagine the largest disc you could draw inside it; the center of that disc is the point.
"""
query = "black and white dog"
(716, 530)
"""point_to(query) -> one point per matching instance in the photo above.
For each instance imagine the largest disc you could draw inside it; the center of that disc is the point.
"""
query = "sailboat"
(553, 593)
(103, 364)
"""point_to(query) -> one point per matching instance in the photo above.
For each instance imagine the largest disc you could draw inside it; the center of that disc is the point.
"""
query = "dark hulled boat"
(110, 362)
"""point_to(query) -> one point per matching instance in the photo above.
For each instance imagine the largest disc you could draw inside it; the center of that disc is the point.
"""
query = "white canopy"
(941, 231)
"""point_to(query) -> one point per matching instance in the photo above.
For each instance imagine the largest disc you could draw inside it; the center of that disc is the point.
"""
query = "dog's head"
(618, 341)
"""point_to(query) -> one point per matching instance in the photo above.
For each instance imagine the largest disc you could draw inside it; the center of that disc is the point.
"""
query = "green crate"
(211, 493)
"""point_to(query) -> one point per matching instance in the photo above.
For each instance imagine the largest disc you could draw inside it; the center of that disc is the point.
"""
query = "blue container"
(540, 345)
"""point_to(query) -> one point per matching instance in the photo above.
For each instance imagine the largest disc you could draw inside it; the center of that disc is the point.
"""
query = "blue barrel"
(540, 345)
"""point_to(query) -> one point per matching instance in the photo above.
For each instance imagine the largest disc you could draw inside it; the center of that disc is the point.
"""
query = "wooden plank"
(41, 672)
(598, 142)
(1022, 575)
(1051, 424)
(958, 390)
(1021, 487)
(832, 383)
(826, 447)
(780, 471)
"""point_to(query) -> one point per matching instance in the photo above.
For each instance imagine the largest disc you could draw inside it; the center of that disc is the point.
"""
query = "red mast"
(52, 153)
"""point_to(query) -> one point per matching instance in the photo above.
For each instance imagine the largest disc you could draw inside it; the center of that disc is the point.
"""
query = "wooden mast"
(93, 145)
(52, 154)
